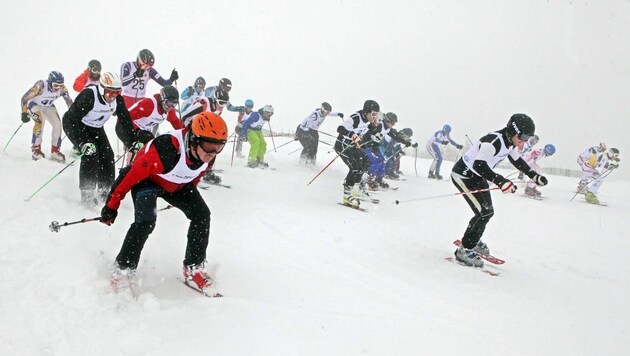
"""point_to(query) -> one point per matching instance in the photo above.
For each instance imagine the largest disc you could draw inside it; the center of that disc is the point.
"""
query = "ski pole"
(284, 144)
(233, 150)
(55, 226)
(271, 134)
(53, 177)
(327, 134)
(294, 151)
(331, 161)
(415, 162)
(11, 138)
(468, 139)
(604, 174)
(447, 195)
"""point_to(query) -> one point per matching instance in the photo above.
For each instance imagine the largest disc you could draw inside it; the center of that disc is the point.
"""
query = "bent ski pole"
(447, 195)
(11, 138)
(53, 177)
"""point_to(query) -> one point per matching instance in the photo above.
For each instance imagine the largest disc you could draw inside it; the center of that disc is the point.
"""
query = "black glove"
(612, 165)
(445, 142)
(407, 143)
(540, 180)
(505, 185)
(144, 136)
(415, 145)
(25, 117)
(139, 73)
(459, 147)
(174, 76)
(108, 216)
(191, 91)
(340, 115)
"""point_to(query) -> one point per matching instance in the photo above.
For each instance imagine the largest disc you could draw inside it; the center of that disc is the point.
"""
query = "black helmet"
(390, 117)
(522, 126)
(613, 154)
(146, 57)
(326, 106)
(94, 66)
(200, 82)
(221, 96)
(225, 84)
(170, 94)
(371, 105)
(407, 132)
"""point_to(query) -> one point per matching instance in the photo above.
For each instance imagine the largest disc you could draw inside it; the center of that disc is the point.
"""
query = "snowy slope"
(302, 275)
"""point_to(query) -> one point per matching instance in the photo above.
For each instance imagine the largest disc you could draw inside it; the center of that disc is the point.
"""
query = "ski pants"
(258, 146)
(96, 170)
(50, 114)
(188, 200)
(309, 141)
(480, 203)
(436, 153)
(590, 174)
(239, 139)
(354, 158)
(377, 162)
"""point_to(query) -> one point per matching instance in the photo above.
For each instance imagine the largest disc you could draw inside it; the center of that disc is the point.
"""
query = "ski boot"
(581, 188)
(36, 153)
(56, 155)
(350, 199)
(198, 275)
(468, 257)
(481, 248)
(211, 178)
(591, 198)
(438, 176)
(431, 175)
(381, 183)
(88, 200)
(252, 164)
(122, 278)
(532, 192)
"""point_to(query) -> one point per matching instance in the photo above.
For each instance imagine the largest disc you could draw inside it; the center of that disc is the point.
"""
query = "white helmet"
(110, 81)
(268, 109)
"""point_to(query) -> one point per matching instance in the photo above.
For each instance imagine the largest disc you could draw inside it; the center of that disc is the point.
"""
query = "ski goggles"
(222, 102)
(211, 147)
(170, 104)
(57, 86)
(113, 92)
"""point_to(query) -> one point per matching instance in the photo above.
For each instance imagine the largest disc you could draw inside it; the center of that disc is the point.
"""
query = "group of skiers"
(171, 165)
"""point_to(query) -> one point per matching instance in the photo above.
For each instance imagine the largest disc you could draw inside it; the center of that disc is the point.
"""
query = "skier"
(226, 85)
(594, 161)
(169, 167)
(473, 171)
(307, 134)
(38, 103)
(147, 114)
(83, 123)
(135, 77)
(441, 137)
(528, 146)
(393, 151)
(532, 158)
(191, 93)
(242, 116)
(252, 132)
(359, 128)
(89, 76)
(215, 104)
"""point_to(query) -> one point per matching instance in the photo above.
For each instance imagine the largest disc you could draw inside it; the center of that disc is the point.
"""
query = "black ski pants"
(97, 169)
(188, 200)
(354, 158)
(480, 203)
(310, 141)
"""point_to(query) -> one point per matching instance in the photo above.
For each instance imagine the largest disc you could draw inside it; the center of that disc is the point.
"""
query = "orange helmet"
(210, 127)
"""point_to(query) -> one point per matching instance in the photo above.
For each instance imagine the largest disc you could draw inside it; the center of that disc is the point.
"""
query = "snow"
(303, 275)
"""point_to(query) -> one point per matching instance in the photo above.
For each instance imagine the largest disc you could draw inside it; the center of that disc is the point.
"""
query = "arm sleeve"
(80, 82)
(34, 91)
(174, 120)
(126, 75)
(126, 133)
(153, 74)
(184, 95)
(66, 96)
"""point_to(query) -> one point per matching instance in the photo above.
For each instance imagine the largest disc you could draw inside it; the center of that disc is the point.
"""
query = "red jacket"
(161, 157)
(145, 107)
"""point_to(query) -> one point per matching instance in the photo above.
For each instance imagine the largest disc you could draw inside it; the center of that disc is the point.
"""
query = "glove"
(144, 136)
(239, 108)
(415, 145)
(296, 138)
(25, 117)
(136, 146)
(505, 185)
(540, 180)
(459, 147)
(139, 73)
(445, 142)
(191, 91)
(88, 149)
(356, 138)
(340, 115)
(407, 143)
(174, 76)
(108, 216)
(611, 165)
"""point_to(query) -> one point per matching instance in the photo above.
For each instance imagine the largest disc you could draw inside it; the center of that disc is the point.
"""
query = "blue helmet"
(249, 103)
(549, 149)
(446, 128)
(55, 77)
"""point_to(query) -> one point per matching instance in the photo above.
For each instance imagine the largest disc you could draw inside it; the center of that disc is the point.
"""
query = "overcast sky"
(467, 63)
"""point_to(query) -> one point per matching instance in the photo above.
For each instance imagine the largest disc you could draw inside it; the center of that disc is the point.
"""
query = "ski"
(482, 269)
(196, 289)
(217, 184)
(369, 200)
(601, 203)
(535, 197)
(489, 258)
(354, 207)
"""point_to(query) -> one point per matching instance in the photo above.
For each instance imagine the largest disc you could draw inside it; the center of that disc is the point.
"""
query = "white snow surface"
(302, 275)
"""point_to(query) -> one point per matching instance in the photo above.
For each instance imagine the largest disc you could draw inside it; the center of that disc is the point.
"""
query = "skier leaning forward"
(475, 169)
(168, 167)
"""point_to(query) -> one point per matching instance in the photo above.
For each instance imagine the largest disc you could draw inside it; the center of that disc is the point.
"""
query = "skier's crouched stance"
(168, 167)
